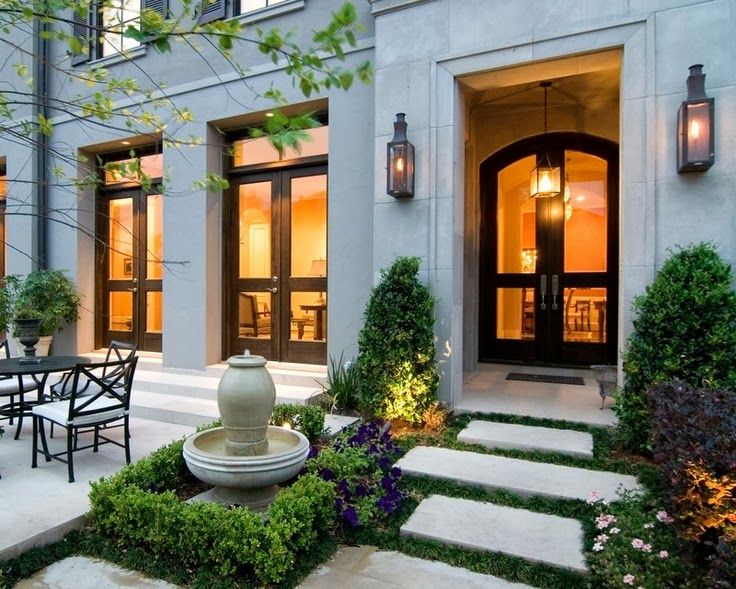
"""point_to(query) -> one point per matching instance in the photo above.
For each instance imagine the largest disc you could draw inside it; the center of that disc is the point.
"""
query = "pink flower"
(637, 543)
(597, 547)
(629, 579)
(646, 548)
(664, 517)
(648, 526)
(663, 554)
(593, 497)
(604, 520)
(614, 531)
(601, 538)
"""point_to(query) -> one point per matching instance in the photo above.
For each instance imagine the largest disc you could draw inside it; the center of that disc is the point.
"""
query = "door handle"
(272, 290)
(543, 291)
(134, 289)
(555, 291)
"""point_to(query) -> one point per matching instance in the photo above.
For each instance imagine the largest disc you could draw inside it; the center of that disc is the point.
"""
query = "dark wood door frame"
(550, 349)
(279, 346)
(138, 283)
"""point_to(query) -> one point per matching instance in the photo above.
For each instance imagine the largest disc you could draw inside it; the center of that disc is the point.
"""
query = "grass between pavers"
(86, 543)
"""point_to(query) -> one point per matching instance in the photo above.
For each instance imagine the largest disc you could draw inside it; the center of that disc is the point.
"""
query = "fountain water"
(245, 459)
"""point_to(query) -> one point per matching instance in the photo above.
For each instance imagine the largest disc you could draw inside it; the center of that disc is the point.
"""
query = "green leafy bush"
(138, 508)
(342, 384)
(308, 419)
(636, 546)
(685, 329)
(396, 365)
(695, 442)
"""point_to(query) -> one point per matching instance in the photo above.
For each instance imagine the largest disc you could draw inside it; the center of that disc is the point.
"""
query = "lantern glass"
(400, 169)
(696, 126)
(545, 182)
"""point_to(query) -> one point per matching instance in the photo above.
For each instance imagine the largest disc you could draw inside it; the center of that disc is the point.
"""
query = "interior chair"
(582, 307)
(300, 323)
(88, 409)
(12, 387)
(252, 322)
(568, 309)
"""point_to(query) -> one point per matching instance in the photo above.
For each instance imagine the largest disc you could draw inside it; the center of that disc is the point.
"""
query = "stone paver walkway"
(519, 476)
(537, 537)
(365, 567)
(523, 437)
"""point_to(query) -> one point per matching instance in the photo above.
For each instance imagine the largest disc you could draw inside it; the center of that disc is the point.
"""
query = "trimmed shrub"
(396, 365)
(137, 508)
(694, 439)
(685, 329)
(308, 419)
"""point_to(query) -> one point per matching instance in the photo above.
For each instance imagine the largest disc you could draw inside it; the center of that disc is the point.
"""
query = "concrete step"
(523, 437)
(536, 537)
(365, 567)
(510, 474)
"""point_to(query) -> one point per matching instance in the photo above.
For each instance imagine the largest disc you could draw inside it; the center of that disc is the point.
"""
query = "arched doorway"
(549, 266)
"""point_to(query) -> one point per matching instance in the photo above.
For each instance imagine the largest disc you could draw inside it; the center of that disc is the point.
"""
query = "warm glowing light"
(400, 164)
(545, 183)
(125, 142)
(695, 129)
(568, 211)
(580, 198)
(286, 425)
(528, 260)
(269, 115)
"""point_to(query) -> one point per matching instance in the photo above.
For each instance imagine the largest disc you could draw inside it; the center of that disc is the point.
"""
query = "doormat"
(546, 378)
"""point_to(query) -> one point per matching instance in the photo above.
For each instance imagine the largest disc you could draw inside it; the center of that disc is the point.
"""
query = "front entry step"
(519, 476)
(536, 537)
(529, 438)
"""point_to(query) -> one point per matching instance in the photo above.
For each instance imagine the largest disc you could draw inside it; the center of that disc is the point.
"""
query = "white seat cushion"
(59, 412)
(9, 386)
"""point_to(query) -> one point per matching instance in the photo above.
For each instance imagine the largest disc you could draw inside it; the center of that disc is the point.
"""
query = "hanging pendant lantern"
(545, 178)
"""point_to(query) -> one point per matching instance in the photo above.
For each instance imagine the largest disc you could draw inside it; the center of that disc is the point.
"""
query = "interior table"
(319, 312)
(39, 371)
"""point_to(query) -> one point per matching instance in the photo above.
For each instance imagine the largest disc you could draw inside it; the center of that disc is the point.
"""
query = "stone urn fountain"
(246, 459)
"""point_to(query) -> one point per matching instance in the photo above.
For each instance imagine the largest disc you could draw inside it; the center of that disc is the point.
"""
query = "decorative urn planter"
(245, 397)
(28, 332)
(607, 378)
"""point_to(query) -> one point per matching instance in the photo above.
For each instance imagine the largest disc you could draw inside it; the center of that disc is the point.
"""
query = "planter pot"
(42, 347)
(28, 331)
(607, 378)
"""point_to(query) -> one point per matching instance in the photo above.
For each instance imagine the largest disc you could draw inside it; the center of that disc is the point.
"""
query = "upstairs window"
(100, 29)
(259, 9)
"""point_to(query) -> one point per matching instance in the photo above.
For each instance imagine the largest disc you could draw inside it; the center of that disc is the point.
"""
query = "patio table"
(39, 371)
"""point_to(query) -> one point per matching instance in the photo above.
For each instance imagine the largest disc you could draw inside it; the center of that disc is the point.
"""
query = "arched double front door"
(549, 266)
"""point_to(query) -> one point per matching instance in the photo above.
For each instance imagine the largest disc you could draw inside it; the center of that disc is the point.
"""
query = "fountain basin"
(245, 480)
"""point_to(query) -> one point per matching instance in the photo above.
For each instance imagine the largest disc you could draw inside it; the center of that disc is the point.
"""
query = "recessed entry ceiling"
(581, 79)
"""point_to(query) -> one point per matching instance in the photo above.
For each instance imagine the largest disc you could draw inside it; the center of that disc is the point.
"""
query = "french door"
(548, 274)
(130, 253)
(276, 265)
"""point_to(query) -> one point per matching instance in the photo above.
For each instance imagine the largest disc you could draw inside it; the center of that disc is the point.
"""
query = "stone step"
(364, 567)
(186, 410)
(529, 438)
(510, 474)
(536, 537)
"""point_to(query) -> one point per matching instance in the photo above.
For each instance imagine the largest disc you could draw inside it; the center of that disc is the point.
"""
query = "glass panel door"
(548, 265)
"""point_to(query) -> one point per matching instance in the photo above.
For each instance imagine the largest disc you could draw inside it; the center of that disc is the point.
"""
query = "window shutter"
(160, 6)
(81, 30)
(211, 10)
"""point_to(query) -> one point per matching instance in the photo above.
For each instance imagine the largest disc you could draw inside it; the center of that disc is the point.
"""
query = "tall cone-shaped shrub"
(685, 329)
(396, 361)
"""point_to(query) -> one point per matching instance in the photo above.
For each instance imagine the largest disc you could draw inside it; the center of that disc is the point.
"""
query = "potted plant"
(45, 295)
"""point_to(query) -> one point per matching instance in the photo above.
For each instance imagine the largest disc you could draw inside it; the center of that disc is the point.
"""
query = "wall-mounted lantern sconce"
(695, 126)
(400, 161)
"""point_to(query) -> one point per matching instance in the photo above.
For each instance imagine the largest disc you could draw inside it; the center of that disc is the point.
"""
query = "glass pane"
(249, 5)
(308, 316)
(585, 315)
(154, 235)
(309, 226)
(154, 313)
(255, 230)
(116, 16)
(698, 131)
(121, 238)
(248, 152)
(515, 313)
(254, 314)
(121, 311)
(586, 212)
(517, 219)
(151, 166)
